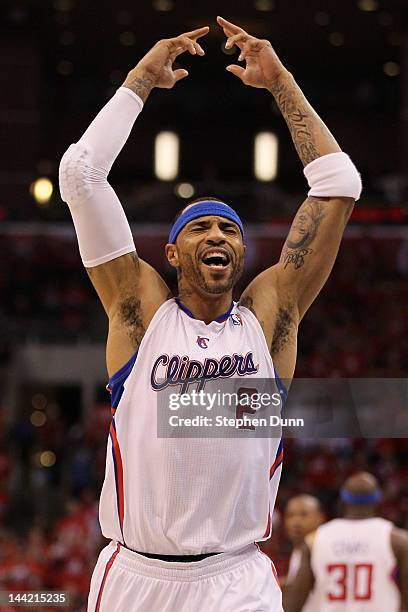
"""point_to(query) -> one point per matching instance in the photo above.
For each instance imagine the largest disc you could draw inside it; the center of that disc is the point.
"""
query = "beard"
(196, 278)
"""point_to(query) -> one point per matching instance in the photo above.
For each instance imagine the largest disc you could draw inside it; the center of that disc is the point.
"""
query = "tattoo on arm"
(142, 86)
(296, 115)
(303, 231)
(310, 135)
(297, 258)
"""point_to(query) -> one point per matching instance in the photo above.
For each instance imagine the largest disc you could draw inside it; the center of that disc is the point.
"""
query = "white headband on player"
(333, 175)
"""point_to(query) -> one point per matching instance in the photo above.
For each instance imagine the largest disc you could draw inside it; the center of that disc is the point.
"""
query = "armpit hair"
(130, 313)
(283, 329)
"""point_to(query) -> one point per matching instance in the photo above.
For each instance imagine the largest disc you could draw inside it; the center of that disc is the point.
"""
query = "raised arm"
(281, 295)
(130, 290)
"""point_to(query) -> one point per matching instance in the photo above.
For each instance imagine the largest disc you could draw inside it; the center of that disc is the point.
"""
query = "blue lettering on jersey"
(170, 371)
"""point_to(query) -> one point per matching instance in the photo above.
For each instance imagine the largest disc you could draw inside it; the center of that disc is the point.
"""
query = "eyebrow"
(223, 224)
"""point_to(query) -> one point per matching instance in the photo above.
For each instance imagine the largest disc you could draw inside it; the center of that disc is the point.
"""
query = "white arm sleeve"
(100, 222)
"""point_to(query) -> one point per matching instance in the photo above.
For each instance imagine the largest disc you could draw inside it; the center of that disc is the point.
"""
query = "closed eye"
(229, 229)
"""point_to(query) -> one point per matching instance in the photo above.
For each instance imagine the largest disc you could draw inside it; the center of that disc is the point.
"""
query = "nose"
(215, 235)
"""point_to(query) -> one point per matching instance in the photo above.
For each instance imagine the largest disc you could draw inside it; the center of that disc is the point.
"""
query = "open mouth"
(216, 260)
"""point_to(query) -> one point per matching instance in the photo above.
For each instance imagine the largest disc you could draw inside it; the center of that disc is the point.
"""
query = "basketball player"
(349, 564)
(183, 514)
(303, 515)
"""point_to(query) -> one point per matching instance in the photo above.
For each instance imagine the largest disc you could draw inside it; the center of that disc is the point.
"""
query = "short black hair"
(196, 201)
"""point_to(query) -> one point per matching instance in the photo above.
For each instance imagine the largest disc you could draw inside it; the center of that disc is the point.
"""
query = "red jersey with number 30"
(354, 567)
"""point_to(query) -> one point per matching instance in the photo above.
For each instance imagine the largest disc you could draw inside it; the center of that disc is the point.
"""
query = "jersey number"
(242, 408)
(352, 582)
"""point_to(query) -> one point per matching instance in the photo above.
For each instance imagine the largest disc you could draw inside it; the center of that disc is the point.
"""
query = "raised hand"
(155, 69)
(263, 66)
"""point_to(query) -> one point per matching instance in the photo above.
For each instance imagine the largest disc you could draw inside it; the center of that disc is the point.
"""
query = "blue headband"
(360, 498)
(205, 209)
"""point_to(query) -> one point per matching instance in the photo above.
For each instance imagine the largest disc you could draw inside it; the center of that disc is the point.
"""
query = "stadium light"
(185, 190)
(166, 156)
(47, 459)
(42, 189)
(266, 156)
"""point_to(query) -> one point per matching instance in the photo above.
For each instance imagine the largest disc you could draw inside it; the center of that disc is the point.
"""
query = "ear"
(172, 255)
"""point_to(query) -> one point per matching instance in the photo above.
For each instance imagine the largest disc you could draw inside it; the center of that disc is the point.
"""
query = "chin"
(218, 287)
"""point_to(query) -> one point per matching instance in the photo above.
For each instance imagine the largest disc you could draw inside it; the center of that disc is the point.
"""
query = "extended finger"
(228, 32)
(197, 33)
(183, 43)
(179, 74)
(238, 39)
(227, 24)
(192, 45)
(199, 48)
(237, 70)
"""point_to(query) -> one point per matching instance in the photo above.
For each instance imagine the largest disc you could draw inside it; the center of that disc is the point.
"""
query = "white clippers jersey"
(354, 565)
(181, 496)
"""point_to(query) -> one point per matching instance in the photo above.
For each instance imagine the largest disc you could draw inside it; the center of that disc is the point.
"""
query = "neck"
(354, 512)
(206, 308)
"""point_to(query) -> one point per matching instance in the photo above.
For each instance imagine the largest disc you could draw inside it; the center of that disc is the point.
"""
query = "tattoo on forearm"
(299, 117)
(140, 86)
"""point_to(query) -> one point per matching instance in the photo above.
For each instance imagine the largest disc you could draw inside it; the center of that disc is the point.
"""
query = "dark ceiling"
(62, 59)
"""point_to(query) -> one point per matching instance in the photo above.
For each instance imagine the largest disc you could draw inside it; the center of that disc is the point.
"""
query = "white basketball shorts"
(242, 581)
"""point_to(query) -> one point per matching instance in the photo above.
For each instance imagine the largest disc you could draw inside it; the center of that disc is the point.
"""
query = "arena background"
(60, 62)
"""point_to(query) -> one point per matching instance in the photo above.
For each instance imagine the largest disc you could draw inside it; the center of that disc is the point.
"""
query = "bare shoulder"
(138, 303)
(131, 292)
(278, 317)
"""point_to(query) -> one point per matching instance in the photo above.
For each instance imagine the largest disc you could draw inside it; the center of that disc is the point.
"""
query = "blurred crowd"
(353, 329)
(49, 531)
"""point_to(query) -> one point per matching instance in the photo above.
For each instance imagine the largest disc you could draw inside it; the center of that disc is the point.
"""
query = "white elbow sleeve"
(333, 175)
(100, 222)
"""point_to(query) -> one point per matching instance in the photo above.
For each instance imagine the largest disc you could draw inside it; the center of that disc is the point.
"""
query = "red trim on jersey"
(118, 474)
(105, 575)
(276, 464)
(268, 526)
(275, 573)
